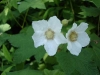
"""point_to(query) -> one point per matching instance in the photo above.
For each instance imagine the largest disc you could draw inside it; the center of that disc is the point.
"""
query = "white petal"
(55, 24)
(41, 25)
(83, 39)
(68, 33)
(82, 27)
(70, 30)
(51, 47)
(69, 46)
(76, 48)
(59, 38)
(74, 26)
(39, 39)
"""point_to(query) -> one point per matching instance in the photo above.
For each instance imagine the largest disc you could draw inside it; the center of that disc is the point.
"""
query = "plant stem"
(15, 19)
(72, 9)
(25, 18)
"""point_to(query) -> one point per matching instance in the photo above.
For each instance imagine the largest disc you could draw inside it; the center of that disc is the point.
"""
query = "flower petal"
(82, 27)
(83, 39)
(55, 24)
(74, 26)
(69, 46)
(59, 38)
(76, 48)
(70, 30)
(68, 34)
(51, 47)
(39, 39)
(41, 25)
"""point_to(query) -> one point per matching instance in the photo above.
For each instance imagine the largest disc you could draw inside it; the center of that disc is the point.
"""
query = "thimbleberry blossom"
(77, 38)
(48, 33)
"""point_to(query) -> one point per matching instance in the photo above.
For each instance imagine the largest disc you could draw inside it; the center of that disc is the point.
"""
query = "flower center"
(73, 36)
(49, 34)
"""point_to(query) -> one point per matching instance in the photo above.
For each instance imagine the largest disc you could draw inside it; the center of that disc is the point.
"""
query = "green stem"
(15, 20)
(72, 9)
(13, 16)
(25, 18)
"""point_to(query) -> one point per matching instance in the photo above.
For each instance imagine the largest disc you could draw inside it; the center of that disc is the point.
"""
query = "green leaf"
(53, 72)
(96, 52)
(96, 2)
(5, 15)
(90, 27)
(13, 3)
(3, 38)
(69, 63)
(39, 53)
(25, 45)
(75, 73)
(4, 27)
(95, 42)
(31, 3)
(47, 59)
(6, 70)
(25, 72)
(86, 11)
(7, 53)
(48, 0)
(23, 6)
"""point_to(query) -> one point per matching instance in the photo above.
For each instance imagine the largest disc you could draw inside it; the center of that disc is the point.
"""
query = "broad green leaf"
(96, 2)
(76, 73)
(95, 42)
(31, 3)
(13, 3)
(69, 63)
(96, 52)
(53, 72)
(47, 59)
(4, 27)
(37, 4)
(5, 15)
(3, 38)
(39, 53)
(23, 6)
(86, 11)
(6, 70)
(90, 27)
(25, 45)
(25, 72)
(48, 0)
(7, 53)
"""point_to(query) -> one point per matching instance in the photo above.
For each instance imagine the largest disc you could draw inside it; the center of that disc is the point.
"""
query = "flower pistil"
(49, 34)
(73, 36)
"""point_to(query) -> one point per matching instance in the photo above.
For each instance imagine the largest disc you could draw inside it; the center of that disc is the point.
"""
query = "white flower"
(77, 38)
(48, 33)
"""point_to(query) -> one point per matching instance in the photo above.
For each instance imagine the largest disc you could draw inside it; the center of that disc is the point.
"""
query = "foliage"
(18, 56)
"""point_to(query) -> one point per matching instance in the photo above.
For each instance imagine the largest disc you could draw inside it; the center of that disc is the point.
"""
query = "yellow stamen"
(73, 36)
(49, 34)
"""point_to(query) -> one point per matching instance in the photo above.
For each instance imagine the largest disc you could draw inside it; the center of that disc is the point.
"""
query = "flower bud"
(64, 22)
